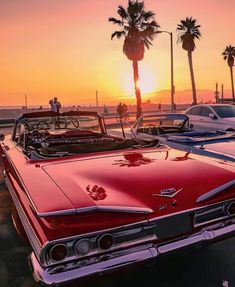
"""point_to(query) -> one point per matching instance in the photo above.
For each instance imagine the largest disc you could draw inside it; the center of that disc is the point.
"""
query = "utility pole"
(26, 102)
(222, 92)
(172, 76)
(172, 69)
(96, 95)
(216, 93)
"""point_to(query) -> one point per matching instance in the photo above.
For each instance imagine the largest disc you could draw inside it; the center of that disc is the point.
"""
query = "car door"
(195, 118)
(208, 122)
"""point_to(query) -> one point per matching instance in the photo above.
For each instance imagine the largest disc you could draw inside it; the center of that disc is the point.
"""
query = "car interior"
(43, 140)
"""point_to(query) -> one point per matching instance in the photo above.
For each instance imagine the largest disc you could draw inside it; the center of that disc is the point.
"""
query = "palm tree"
(188, 32)
(229, 55)
(138, 27)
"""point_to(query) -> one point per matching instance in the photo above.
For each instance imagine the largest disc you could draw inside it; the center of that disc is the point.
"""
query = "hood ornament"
(168, 192)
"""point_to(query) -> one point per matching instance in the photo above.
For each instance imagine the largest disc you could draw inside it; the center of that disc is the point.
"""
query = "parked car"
(212, 116)
(175, 131)
(89, 203)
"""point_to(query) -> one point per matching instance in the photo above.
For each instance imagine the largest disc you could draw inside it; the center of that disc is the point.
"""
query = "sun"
(147, 82)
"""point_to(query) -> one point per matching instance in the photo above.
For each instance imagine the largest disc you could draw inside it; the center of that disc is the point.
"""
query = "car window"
(164, 120)
(196, 111)
(225, 111)
(205, 112)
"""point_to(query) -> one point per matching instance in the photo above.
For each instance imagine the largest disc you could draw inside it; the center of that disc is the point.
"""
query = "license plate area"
(173, 226)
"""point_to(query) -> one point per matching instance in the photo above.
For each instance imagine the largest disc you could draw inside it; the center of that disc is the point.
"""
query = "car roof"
(210, 105)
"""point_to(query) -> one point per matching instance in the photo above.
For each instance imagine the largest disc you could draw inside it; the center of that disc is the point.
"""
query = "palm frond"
(118, 34)
(122, 12)
(148, 15)
(138, 27)
(188, 30)
(115, 21)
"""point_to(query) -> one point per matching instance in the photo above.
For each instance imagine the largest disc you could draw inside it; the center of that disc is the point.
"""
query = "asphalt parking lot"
(207, 267)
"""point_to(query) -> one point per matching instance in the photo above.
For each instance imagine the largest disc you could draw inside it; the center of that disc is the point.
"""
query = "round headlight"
(83, 246)
(231, 208)
(105, 241)
(58, 252)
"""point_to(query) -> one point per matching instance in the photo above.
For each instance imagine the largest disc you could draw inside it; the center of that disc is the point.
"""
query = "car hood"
(224, 148)
(135, 182)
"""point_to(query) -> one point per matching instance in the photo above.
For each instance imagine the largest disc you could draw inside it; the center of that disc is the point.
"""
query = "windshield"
(58, 122)
(225, 111)
(173, 121)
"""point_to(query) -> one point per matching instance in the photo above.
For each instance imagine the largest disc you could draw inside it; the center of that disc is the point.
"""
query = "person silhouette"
(53, 106)
(57, 104)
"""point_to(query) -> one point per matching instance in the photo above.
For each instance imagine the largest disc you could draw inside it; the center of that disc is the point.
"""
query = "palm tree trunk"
(137, 89)
(231, 71)
(190, 61)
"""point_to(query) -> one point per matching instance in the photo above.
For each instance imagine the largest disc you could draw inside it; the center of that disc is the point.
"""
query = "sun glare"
(147, 82)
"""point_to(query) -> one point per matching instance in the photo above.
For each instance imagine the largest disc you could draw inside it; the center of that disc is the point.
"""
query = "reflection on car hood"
(224, 148)
(137, 181)
(202, 136)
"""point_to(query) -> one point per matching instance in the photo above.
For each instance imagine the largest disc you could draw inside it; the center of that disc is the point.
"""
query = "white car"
(212, 117)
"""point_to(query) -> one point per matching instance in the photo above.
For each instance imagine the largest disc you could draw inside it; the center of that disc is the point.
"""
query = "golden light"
(147, 82)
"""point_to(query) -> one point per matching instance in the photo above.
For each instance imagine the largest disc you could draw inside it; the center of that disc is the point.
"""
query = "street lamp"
(172, 72)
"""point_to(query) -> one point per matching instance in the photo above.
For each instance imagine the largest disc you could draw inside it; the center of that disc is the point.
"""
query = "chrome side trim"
(57, 213)
(34, 241)
(215, 191)
(125, 209)
(114, 261)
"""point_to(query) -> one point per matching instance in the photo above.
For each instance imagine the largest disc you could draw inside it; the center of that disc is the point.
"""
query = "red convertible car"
(89, 203)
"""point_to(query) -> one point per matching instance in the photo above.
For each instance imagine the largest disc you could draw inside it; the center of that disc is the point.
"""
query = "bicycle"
(123, 116)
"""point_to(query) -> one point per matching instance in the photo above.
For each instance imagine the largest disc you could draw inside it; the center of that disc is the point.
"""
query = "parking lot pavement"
(14, 270)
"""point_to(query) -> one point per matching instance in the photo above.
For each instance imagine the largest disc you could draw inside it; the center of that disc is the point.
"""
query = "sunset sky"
(63, 48)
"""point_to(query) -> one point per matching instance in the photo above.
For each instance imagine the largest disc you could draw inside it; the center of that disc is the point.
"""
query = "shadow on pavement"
(14, 270)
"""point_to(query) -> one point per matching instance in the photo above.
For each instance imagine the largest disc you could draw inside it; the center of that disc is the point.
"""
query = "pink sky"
(63, 48)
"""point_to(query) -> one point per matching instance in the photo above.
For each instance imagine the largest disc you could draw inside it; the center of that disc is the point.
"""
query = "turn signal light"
(58, 252)
(105, 241)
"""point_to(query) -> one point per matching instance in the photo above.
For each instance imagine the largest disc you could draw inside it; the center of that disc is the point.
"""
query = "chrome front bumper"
(68, 272)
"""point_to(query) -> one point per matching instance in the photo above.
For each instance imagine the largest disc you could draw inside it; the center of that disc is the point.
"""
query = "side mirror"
(2, 137)
(191, 126)
(212, 116)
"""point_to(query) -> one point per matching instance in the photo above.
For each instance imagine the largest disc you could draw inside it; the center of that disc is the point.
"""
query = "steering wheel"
(39, 136)
(42, 125)
(150, 129)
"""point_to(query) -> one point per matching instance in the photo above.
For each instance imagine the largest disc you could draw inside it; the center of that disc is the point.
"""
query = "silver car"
(212, 116)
